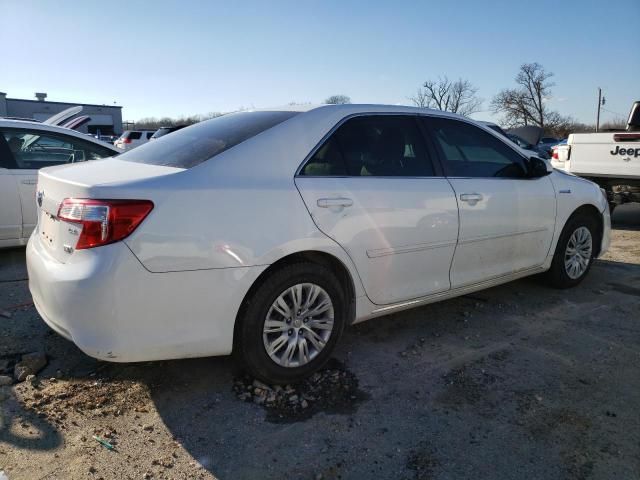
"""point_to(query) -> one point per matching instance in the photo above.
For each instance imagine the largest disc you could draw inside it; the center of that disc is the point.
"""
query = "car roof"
(33, 125)
(354, 108)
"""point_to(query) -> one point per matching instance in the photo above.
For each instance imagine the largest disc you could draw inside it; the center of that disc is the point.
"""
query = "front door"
(371, 187)
(507, 219)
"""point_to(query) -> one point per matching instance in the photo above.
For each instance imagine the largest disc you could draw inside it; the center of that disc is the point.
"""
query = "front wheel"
(292, 323)
(575, 252)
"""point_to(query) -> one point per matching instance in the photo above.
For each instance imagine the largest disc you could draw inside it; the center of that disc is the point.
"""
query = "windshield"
(193, 145)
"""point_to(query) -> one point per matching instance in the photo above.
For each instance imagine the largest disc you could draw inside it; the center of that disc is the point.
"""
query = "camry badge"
(39, 197)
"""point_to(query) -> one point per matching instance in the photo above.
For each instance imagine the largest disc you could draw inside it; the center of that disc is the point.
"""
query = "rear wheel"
(575, 251)
(292, 323)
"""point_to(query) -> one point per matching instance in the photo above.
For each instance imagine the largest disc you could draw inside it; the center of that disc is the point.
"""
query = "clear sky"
(189, 57)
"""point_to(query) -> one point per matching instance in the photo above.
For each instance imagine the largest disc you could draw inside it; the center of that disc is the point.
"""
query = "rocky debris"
(166, 462)
(30, 364)
(57, 399)
(333, 390)
(5, 380)
(5, 314)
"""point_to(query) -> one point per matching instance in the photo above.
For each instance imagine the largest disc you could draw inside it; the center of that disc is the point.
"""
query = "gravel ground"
(519, 381)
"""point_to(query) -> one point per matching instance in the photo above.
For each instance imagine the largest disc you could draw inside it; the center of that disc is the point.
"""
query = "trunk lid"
(98, 179)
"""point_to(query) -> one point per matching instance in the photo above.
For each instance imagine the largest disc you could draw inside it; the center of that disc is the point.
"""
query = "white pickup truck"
(611, 159)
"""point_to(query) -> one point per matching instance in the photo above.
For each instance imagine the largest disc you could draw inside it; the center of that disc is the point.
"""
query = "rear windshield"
(193, 145)
(134, 135)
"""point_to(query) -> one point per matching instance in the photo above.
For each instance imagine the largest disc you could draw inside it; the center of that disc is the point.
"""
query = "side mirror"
(538, 167)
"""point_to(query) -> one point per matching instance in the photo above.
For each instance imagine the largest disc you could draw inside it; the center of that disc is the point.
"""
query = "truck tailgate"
(605, 154)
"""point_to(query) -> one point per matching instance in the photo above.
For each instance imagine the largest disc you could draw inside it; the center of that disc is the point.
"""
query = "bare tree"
(338, 99)
(459, 96)
(154, 122)
(421, 98)
(527, 103)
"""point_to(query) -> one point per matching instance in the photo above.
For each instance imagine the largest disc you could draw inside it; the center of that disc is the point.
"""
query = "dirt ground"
(519, 381)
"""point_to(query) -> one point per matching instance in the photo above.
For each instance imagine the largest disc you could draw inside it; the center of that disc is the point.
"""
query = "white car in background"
(133, 138)
(268, 232)
(25, 147)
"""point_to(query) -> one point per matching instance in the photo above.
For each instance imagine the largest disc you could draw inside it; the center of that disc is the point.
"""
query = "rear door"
(372, 187)
(507, 219)
(33, 149)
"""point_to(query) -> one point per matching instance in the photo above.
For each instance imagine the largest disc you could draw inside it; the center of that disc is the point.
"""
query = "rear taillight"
(103, 221)
(126, 140)
(554, 153)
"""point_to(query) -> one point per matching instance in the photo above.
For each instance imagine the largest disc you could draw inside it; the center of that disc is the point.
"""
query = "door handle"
(334, 202)
(470, 198)
(28, 182)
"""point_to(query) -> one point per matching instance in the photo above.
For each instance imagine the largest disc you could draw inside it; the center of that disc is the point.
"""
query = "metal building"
(105, 119)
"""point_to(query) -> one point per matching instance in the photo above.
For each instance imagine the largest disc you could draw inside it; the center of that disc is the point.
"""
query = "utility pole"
(599, 104)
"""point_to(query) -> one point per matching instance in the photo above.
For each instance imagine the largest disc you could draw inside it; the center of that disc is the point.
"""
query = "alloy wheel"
(577, 255)
(298, 325)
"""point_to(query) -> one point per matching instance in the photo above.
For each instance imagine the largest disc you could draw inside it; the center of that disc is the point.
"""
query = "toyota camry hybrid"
(265, 233)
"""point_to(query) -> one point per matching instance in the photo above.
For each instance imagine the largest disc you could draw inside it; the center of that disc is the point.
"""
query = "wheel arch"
(593, 212)
(336, 265)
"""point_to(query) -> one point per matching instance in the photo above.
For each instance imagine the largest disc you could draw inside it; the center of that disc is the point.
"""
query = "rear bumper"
(113, 309)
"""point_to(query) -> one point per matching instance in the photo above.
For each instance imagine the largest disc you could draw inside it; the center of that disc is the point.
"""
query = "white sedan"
(25, 147)
(267, 232)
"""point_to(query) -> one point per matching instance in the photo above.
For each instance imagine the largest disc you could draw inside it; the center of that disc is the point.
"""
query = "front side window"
(377, 145)
(198, 143)
(33, 149)
(469, 151)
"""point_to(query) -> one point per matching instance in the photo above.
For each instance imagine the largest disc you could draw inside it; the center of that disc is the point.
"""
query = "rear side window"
(34, 149)
(134, 135)
(377, 145)
(469, 151)
(193, 145)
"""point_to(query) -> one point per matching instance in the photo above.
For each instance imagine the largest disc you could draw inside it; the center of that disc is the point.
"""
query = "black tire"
(557, 274)
(249, 346)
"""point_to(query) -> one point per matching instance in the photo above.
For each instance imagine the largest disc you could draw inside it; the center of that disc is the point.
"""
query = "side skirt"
(367, 310)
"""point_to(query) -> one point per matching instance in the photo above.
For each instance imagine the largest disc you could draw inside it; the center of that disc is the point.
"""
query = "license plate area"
(48, 229)
(59, 237)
